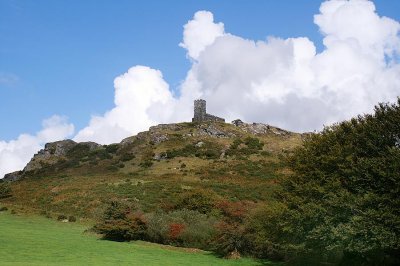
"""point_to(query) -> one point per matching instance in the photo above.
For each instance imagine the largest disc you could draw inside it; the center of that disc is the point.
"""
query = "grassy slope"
(83, 190)
(39, 241)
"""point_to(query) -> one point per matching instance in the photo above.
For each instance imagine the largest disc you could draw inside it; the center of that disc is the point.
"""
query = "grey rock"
(51, 150)
(157, 138)
(237, 122)
(172, 127)
(160, 156)
(199, 144)
(212, 131)
(14, 176)
(58, 148)
(260, 128)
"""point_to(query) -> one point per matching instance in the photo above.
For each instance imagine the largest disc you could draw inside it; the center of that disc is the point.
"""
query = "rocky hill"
(154, 166)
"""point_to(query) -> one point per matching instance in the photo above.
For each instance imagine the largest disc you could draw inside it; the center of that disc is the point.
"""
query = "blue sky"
(102, 70)
(62, 56)
(65, 55)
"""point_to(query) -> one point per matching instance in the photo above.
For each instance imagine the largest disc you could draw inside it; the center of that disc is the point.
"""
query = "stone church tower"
(200, 113)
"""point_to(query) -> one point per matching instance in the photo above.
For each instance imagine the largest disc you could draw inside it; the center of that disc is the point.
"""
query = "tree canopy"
(341, 204)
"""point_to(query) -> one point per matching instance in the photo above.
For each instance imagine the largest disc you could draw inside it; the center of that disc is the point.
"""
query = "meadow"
(33, 240)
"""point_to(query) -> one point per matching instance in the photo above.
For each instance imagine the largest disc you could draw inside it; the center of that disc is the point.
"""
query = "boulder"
(14, 176)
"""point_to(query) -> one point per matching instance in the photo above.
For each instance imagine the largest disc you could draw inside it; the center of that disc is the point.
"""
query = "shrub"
(127, 157)
(3, 209)
(79, 151)
(202, 201)
(147, 158)
(146, 164)
(72, 219)
(230, 238)
(235, 211)
(181, 227)
(244, 147)
(175, 230)
(5, 190)
(121, 223)
(62, 217)
(253, 143)
(112, 148)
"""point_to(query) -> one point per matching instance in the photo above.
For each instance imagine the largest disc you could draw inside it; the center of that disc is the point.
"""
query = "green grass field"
(32, 240)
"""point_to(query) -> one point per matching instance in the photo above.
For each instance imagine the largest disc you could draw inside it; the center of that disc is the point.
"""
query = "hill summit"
(238, 160)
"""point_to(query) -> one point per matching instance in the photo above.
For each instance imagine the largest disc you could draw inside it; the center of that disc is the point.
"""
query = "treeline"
(339, 206)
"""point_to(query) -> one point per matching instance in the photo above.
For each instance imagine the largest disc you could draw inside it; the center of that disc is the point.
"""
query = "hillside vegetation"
(153, 169)
(188, 184)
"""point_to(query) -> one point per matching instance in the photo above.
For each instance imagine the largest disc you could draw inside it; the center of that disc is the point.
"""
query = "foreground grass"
(39, 241)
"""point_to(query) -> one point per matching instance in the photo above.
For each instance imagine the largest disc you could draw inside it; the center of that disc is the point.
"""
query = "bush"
(3, 209)
(72, 219)
(175, 231)
(202, 201)
(146, 164)
(5, 190)
(121, 223)
(112, 148)
(253, 143)
(181, 227)
(62, 217)
(235, 211)
(230, 238)
(244, 147)
(79, 151)
(127, 157)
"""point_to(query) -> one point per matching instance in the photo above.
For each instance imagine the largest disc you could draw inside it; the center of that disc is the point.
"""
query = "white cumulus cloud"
(142, 98)
(200, 32)
(285, 82)
(15, 154)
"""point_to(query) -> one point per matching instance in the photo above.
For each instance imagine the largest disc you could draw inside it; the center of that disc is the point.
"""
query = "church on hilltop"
(200, 114)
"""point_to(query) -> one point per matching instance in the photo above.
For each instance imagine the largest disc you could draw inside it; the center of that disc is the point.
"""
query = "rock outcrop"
(14, 176)
(259, 128)
(51, 152)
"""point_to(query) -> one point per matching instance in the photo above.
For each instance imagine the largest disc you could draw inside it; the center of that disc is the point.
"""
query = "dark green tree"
(342, 203)
(120, 223)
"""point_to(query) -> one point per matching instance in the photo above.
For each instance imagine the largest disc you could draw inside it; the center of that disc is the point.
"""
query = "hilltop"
(237, 161)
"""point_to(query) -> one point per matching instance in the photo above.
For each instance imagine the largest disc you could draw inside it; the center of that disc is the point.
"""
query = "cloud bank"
(283, 82)
(15, 154)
